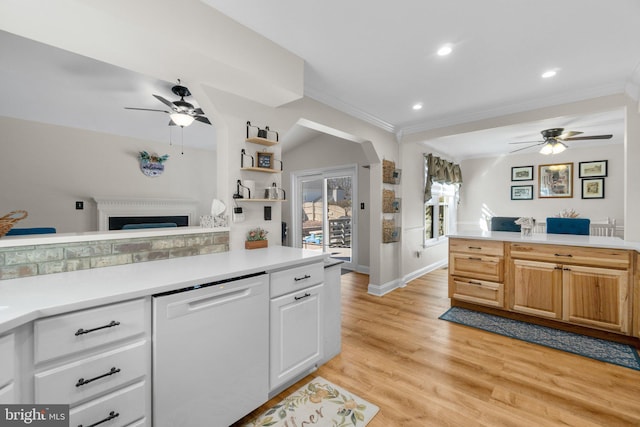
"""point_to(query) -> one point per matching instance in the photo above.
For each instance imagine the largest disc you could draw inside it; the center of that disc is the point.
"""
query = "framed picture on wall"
(522, 173)
(265, 160)
(555, 181)
(597, 168)
(593, 188)
(522, 192)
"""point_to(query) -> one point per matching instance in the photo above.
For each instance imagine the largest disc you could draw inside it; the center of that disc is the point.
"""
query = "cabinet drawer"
(7, 351)
(60, 384)
(60, 335)
(128, 403)
(293, 279)
(480, 247)
(597, 257)
(478, 291)
(478, 267)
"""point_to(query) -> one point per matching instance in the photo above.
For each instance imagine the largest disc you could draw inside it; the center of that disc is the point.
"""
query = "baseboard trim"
(424, 270)
(380, 290)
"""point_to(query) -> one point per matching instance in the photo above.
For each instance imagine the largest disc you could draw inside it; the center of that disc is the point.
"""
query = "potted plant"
(256, 238)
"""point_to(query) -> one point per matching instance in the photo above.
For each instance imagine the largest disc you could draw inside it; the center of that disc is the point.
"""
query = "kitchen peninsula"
(101, 338)
(587, 284)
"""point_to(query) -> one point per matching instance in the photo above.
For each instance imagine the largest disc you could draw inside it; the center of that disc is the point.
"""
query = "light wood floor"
(422, 371)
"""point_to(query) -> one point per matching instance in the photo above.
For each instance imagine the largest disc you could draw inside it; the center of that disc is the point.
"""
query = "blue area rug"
(595, 348)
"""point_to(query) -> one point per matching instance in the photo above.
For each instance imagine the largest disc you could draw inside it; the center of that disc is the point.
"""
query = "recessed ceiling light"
(548, 74)
(417, 106)
(445, 50)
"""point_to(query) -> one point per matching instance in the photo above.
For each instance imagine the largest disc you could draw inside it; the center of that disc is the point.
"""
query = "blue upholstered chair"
(568, 226)
(504, 223)
(33, 230)
(149, 225)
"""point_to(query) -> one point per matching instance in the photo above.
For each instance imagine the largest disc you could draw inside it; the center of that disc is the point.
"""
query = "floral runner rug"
(595, 348)
(319, 403)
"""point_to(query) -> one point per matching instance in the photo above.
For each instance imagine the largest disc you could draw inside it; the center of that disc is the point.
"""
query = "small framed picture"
(522, 173)
(596, 168)
(264, 160)
(593, 188)
(522, 192)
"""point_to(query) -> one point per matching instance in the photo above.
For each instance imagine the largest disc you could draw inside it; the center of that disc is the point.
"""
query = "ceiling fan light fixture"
(181, 119)
(546, 149)
(558, 147)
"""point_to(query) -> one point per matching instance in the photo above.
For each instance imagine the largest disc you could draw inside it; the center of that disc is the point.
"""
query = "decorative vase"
(255, 244)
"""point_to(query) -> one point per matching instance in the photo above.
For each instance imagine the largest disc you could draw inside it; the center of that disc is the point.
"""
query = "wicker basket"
(388, 197)
(388, 167)
(7, 221)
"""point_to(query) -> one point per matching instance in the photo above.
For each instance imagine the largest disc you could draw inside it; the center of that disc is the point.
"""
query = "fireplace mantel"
(110, 206)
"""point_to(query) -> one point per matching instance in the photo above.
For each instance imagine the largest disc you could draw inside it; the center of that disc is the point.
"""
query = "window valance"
(442, 171)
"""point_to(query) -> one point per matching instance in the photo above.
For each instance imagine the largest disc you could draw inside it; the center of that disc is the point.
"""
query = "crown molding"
(348, 109)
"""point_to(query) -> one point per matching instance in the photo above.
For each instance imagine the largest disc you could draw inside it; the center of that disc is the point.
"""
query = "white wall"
(487, 185)
(326, 151)
(45, 169)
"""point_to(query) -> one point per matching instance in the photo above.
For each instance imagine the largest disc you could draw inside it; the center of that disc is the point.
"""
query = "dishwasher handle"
(209, 300)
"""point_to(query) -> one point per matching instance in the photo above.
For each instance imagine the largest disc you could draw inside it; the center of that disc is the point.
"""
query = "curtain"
(440, 170)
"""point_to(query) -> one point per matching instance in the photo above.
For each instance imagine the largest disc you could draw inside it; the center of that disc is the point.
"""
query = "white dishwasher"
(211, 352)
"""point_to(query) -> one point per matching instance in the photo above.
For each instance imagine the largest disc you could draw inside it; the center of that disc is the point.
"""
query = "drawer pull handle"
(567, 255)
(306, 276)
(475, 283)
(112, 415)
(475, 258)
(474, 247)
(86, 331)
(82, 381)
(307, 294)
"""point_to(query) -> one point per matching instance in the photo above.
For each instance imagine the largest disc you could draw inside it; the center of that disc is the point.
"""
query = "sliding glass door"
(323, 217)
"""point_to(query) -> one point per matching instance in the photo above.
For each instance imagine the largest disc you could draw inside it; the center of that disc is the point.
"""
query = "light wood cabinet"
(597, 297)
(476, 271)
(537, 288)
(584, 286)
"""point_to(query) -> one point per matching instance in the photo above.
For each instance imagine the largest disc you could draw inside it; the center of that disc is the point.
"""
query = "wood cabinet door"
(597, 297)
(537, 288)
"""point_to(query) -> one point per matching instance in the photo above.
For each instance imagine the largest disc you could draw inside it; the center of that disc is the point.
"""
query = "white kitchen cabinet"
(98, 361)
(332, 317)
(7, 369)
(296, 338)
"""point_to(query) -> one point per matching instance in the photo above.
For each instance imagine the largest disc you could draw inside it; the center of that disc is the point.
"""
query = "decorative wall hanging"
(555, 180)
(152, 164)
(597, 168)
(522, 173)
(593, 188)
(522, 192)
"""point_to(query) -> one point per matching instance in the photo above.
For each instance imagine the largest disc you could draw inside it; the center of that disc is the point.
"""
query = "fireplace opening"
(126, 222)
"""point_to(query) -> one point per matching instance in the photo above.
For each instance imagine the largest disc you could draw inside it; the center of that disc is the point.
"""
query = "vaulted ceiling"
(375, 60)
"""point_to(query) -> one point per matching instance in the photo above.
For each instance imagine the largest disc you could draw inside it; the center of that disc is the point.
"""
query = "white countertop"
(551, 239)
(26, 299)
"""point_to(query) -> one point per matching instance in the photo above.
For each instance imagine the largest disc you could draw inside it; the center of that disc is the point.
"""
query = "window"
(440, 212)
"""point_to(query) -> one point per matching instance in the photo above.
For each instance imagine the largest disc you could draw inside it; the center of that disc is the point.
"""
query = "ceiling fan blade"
(525, 142)
(202, 119)
(524, 148)
(145, 109)
(568, 134)
(166, 102)
(198, 111)
(172, 123)
(582, 138)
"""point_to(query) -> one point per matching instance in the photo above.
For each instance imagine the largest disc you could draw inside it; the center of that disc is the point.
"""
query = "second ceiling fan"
(553, 140)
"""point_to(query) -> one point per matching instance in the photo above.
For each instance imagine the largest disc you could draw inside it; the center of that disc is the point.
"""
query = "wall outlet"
(79, 205)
